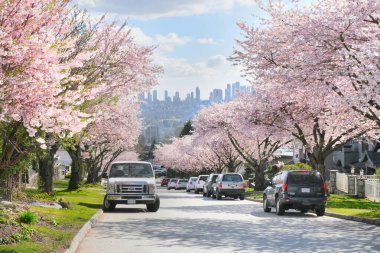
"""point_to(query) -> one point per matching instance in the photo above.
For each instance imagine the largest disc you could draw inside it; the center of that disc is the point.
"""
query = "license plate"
(305, 190)
(131, 201)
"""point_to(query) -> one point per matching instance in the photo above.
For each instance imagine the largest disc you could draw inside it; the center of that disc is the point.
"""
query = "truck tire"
(108, 206)
(155, 206)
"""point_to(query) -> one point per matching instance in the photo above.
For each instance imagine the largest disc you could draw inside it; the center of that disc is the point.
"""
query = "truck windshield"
(131, 170)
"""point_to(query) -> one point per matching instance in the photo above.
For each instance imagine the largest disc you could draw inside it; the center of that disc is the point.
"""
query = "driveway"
(190, 223)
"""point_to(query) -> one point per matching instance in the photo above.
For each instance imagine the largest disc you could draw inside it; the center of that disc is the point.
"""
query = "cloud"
(216, 61)
(207, 41)
(167, 42)
(153, 9)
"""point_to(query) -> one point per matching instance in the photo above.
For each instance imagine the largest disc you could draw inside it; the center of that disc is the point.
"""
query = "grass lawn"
(57, 227)
(353, 206)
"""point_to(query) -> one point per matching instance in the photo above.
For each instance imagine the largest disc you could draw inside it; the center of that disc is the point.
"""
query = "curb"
(83, 231)
(340, 216)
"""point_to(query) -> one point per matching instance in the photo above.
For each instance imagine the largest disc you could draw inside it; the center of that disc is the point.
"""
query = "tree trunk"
(93, 171)
(46, 170)
(260, 177)
(76, 168)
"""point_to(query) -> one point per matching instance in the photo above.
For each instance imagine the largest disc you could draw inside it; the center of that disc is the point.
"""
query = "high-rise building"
(227, 95)
(149, 97)
(176, 97)
(235, 90)
(155, 96)
(192, 95)
(166, 95)
(198, 94)
(211, 97)
(217, 95)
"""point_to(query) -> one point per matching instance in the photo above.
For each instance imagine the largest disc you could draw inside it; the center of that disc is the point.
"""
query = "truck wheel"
(155, 206)
(241, 197)
(108, 206)
(320, 211)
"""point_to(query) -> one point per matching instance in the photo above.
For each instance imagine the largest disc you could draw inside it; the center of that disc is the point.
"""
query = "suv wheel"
(279, 208)
(208, 194)
(108, 206)
(195, 191)
(241, 197)
(155, 206)
(218, 196)
(320, 211)
(265, 205)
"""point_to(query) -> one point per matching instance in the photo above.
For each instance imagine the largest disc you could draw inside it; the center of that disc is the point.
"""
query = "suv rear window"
(204, 178)
(183, 181)
(304, 178)
(214, 177)
(232, 178)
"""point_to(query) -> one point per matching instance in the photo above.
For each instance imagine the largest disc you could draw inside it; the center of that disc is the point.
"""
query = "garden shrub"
(28, 217)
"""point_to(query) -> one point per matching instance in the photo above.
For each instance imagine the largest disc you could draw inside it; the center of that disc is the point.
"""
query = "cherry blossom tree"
(30, 75)
(255, 143)
(104, 143)
(316, 69)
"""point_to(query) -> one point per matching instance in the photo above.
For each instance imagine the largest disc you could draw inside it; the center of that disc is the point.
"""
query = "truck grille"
(133, 188)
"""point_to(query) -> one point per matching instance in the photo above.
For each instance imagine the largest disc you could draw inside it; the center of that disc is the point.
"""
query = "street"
(187, 222)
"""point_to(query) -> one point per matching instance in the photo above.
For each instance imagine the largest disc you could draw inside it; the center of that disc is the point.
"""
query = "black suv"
(302, 190)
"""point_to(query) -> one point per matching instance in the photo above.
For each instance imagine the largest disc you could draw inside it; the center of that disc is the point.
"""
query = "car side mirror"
(104, 175)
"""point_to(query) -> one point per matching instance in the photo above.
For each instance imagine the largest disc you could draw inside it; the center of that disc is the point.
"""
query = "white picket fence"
(372, 189)
(342, 182)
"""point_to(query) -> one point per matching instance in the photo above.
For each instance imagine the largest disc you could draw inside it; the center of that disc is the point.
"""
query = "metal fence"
(372, 189)
(342, 182)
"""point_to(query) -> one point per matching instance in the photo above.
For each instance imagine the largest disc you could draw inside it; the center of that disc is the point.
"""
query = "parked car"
(165, 181)
(191, 184)
(159, 170)
(302, 190)
(208, 187)
(171, 184)
(199, 183)
(131, 182)
(181, 184)
(229, 185)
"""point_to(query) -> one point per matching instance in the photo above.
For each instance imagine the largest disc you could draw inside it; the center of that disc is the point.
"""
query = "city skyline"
(216, 95)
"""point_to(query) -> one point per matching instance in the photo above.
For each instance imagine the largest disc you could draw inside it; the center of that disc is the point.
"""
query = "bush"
(28, 217)
(297, 166)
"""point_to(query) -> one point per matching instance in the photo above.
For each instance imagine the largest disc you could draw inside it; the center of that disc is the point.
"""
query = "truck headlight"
(151, 189)
(111, 188)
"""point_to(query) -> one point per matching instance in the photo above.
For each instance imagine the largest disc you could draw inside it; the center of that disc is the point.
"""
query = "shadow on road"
(301, 235)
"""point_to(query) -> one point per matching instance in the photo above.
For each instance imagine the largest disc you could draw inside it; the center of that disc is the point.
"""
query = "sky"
(194, 38)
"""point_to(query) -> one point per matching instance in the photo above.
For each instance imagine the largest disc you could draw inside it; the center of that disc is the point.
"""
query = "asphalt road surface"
(187, 222)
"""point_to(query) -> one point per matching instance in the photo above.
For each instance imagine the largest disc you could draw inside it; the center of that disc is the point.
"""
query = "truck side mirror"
(104, 175)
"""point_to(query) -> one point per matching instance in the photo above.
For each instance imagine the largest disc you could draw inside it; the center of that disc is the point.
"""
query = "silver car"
(180, 184)
(229, 185)
(191, 184)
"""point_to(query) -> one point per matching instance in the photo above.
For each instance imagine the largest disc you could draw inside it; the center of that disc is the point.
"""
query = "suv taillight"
(220, 185)
(325, 187)
(285, 187)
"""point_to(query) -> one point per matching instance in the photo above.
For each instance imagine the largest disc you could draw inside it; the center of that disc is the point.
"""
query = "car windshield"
(232, 178)
(131, 170)
(304, 178)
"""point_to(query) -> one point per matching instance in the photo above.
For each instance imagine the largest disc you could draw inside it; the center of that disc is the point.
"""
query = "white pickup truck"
(131, 182)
